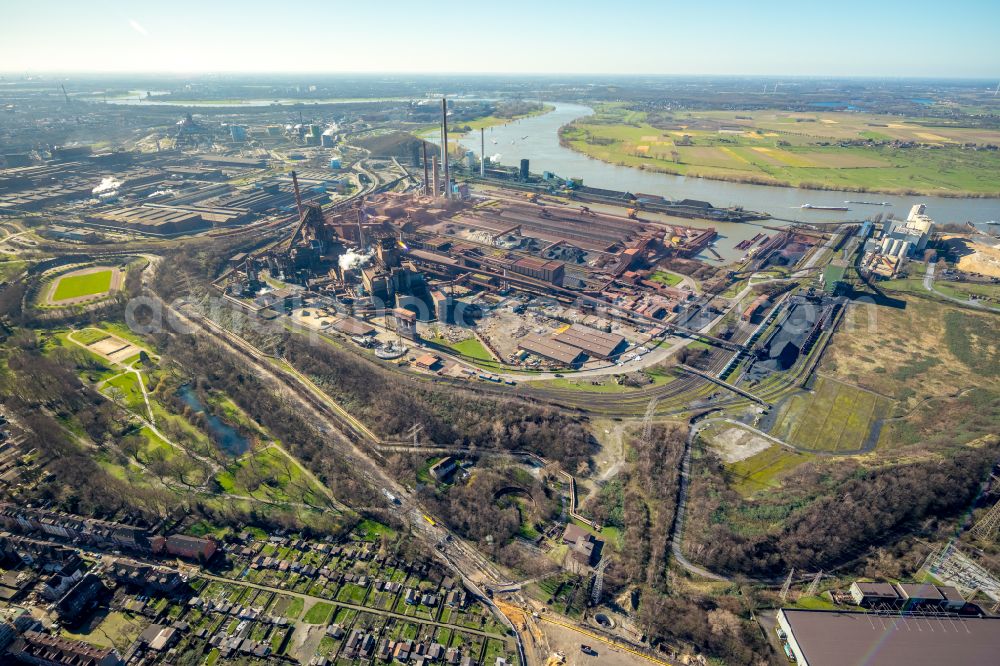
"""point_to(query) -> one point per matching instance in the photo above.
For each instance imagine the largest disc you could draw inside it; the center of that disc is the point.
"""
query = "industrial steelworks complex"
(520, 280)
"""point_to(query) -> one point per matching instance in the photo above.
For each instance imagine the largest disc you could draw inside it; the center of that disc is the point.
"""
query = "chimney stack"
(427, 183)
(482, 152)
(444, 147)
(437, 184)
(298, 197)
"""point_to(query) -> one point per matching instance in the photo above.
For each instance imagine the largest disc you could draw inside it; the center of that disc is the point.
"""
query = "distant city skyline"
(767, 38)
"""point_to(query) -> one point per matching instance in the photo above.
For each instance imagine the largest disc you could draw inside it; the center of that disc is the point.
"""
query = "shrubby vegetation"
(44, 395)
(391, 404)
(648, 504)
(825, 515)
(283, 418)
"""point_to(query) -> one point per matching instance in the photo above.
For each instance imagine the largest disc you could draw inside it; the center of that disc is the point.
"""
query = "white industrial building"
(899, 240)
(905, 238)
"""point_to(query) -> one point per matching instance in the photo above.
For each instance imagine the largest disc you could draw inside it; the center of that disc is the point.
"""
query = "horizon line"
(165, 73)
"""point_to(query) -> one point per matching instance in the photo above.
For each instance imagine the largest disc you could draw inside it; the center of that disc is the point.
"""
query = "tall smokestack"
(437, 184)
(298, 196)
(444, 147)
(427, 184)
(361, 229)
(482, 152)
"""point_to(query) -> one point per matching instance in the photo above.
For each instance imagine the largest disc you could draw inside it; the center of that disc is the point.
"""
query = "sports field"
(83, 284)
(834, 417)
(851, 151)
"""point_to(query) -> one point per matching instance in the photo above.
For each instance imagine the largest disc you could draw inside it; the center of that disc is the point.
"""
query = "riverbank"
(843, 152)
(472, 126)
(537, 139)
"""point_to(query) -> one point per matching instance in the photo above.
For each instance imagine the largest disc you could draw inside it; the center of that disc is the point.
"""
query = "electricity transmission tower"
(595, 593)
(814, 585)
(415, 432)
(988, 525)
(787, 586)
(647, 420)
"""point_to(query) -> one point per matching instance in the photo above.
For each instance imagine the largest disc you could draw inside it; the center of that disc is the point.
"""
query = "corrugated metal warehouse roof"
(550, 349)
(593, 342)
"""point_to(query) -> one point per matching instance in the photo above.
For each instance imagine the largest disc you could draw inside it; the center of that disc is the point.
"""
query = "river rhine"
(537, 139)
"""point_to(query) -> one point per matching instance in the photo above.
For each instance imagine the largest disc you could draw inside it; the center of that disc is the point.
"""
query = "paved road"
(929, 286)
(678, 532)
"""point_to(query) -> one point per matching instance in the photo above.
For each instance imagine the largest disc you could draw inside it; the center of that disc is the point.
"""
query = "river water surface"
(537, 139)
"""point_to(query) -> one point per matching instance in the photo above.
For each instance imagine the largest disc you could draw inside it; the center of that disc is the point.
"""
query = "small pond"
(227, 437)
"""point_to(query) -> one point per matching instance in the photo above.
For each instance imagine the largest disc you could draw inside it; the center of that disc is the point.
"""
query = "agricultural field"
(835, 417)
(822, 150)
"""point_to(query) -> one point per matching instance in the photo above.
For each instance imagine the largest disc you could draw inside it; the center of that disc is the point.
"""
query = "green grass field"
(112, 629)
(128, 385)
(665, 278)
(834, 417)
(319, 613)
(294, 608)
(9, 269)
(76, 286)
(269, 475)
(605, 383)
(794, 149)
(959, 290)
(372, 530)
(472, 348)
(89, 336)
(479, 123)
(763, 470)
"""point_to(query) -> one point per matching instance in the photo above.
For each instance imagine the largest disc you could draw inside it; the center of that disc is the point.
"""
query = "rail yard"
(300, 384)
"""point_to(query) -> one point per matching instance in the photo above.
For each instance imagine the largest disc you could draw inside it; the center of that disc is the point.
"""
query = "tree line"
(815, 521)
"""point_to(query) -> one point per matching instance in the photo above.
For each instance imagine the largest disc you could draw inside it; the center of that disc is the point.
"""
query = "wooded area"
(825, 515)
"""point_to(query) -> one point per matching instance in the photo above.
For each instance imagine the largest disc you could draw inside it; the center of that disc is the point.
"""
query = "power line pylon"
(647, 420)
(787, 586)
(414, 432)
(814, 585)
(989, 524)
(595, 594)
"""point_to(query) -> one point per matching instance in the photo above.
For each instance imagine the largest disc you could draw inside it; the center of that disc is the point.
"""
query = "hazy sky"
(832, 37)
